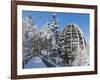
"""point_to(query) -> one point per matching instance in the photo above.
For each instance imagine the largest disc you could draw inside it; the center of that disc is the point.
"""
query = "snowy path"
(35, 62)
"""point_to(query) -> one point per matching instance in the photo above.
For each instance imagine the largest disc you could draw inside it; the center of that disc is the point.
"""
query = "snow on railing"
(51, 63)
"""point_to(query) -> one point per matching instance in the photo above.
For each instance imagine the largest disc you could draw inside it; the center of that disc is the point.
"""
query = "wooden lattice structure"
(73, 40)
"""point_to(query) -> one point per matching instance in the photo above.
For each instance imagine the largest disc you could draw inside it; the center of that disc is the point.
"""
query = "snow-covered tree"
(30, 37)
(46, 35)
(82, 58)
(56, 48)
(55, 36)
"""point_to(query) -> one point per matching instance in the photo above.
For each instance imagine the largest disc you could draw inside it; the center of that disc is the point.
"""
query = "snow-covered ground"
(35, 62)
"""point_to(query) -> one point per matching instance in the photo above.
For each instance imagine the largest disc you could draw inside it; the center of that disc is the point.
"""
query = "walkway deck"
(35, 62)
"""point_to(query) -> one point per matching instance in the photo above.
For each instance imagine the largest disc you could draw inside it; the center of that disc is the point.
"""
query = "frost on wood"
(66, 48)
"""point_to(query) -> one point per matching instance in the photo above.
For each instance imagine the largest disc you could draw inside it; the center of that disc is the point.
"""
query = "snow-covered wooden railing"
(26, 59)
(48, 62)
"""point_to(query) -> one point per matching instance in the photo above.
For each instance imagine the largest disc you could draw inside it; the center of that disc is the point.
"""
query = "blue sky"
(82, 20)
